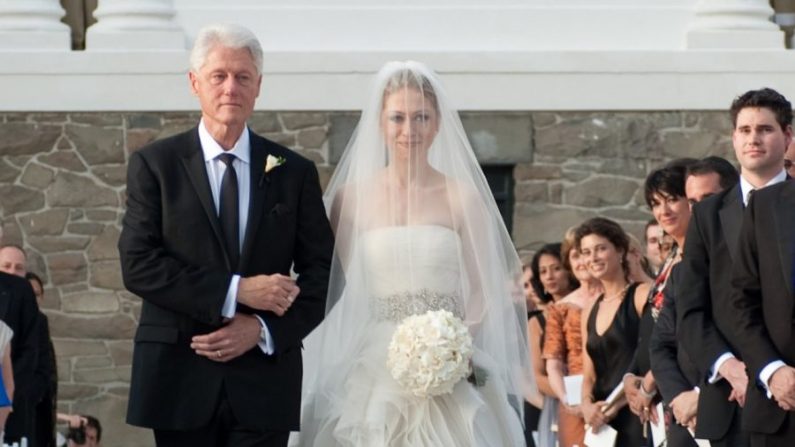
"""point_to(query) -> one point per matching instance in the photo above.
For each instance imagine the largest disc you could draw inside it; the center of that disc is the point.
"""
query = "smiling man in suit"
(707, 331)
(216, 218)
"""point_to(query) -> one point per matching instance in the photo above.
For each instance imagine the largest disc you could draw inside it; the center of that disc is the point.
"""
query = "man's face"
(227, 86)
(759, 141)
(653, 233)
(91, 439)
(699, 187)
(12, 261)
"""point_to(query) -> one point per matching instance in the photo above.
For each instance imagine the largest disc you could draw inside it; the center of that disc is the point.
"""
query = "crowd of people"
(692, 337)
(702, 347)
(28, 372)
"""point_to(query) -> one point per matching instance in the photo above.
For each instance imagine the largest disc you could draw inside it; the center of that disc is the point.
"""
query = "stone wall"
(62, 178)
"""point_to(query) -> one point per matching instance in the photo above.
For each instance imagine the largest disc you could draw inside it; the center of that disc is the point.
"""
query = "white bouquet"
(430, 353)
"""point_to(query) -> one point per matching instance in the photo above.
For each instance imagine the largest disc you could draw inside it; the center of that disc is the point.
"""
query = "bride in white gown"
(416, 230)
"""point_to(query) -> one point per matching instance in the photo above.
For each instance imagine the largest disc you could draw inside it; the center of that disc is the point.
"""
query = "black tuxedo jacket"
(673, 369)
(173, 256)
(702, 302)
(18, 309)
(765, 309)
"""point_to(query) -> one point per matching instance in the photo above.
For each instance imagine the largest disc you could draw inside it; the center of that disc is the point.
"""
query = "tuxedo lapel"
(259, 190)
(731, 217)
(785, 225)
(194, 164)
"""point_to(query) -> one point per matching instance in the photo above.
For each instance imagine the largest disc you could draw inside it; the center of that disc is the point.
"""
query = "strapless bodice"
(410, 270)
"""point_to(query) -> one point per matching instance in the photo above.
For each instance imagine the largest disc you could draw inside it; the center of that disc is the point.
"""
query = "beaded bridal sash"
(398, 306)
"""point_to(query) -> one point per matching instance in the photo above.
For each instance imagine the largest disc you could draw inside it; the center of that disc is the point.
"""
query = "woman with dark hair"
(563, 340)
(664, 190)
(610, 333)
(552, 282)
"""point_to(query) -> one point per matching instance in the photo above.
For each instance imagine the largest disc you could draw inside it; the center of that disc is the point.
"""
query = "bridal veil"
(415, 226)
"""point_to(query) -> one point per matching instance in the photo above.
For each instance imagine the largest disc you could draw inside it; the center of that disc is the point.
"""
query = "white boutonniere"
(272, 163)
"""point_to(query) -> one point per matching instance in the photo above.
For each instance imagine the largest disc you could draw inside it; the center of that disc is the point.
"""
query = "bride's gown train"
(408, 270)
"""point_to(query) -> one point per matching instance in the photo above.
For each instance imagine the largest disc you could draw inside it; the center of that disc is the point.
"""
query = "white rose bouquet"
(430, 353)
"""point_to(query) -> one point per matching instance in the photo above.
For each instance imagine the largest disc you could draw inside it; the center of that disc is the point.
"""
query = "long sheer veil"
(408, 170)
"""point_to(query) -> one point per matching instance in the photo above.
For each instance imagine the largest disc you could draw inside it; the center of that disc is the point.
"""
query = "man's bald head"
(13, 260)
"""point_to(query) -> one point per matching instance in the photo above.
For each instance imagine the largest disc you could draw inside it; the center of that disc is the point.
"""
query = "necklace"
(616, 296)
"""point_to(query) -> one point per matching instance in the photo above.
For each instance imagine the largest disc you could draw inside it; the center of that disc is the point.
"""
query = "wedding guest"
(552, 282)
(651, 236)
(675, 372)
(563, 340)
(610, 333)
(534, 402)
(761, 121)
(664, 191)
(21, 313)
(640, 268)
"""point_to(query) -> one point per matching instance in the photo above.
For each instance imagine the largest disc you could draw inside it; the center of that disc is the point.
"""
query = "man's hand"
(782, 385)
(733, 371)
(274, 293)
(685, 407)
(239, 335)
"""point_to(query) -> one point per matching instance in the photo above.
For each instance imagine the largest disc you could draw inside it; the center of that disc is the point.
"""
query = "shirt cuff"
(266, 342)
(767, 373)
(230, 302)
(715, 376)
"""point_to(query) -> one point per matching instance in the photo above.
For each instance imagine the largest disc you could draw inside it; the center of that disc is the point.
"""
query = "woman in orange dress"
(563, 341)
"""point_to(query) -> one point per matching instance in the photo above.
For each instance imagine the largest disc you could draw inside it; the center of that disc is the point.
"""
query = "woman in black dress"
(610, 333)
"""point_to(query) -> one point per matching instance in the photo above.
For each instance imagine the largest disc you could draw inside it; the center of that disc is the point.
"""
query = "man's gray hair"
(226, 35)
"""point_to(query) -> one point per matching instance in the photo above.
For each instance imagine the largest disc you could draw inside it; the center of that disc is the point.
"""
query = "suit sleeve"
(312, 261)
(663, 347)
(697, 331)
(752, 338)
(184, 286)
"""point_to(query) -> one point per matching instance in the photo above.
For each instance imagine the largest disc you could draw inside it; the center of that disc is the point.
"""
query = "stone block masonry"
(62, 193)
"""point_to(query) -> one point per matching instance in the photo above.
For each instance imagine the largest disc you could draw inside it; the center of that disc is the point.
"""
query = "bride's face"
(409, 121)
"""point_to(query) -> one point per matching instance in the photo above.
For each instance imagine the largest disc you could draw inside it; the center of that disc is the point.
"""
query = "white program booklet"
(658, 431)
(604, 437)
(573, 386)
(699, 442)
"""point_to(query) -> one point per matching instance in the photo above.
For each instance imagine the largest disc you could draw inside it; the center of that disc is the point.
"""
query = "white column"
(33, 25)
(135, 25)
(734, 24)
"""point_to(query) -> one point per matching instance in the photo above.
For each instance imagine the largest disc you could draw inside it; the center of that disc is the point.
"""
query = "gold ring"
(218, 353)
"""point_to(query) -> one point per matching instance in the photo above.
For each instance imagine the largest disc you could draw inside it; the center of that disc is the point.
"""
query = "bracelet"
(645, 393)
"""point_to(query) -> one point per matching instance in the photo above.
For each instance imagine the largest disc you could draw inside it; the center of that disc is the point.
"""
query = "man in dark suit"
(18, 309)
(216, 218)
(676, 374)
(765, 313)
(761, 120)
(39, 392)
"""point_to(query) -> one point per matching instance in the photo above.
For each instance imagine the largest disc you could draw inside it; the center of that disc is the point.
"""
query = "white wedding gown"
(409, 270)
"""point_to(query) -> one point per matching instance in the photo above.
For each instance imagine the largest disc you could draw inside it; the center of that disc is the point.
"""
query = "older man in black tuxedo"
(216, 218)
